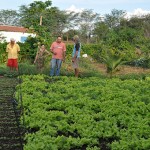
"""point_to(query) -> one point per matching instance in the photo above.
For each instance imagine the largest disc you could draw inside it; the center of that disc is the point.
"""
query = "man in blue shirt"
(76, 55)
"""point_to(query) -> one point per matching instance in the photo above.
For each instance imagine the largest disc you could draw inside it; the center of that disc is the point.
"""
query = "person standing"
(76, 55)
(40, 57)
(58, 49)
(12, 49)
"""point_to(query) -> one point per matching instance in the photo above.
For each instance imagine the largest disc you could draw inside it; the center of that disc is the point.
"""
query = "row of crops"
(66, 113)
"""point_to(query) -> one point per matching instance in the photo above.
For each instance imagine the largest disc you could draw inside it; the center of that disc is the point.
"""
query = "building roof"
(12, 28)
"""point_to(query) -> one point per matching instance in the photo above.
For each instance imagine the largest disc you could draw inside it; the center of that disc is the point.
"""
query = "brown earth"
(88, 64)
(10, 133)
(123, 70)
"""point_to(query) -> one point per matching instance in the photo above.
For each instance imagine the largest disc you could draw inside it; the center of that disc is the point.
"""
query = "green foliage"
(93, 50)
(114, 18)
(85, 22)
(132, 76)
(89, 113)
(34, 10)
(141, 62)
(3, 69)
(46, 21)
(118, 36)
(24, 68)
(101, 30)
(27, 68)
(70, 34)
(112, 58)
(3, 54)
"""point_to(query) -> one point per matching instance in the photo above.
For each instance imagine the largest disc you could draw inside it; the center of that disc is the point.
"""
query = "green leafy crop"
(66, 113)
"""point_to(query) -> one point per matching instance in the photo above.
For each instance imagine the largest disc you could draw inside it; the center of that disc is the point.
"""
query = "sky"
(99, 6)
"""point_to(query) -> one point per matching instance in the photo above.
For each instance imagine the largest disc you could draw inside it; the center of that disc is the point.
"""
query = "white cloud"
(137, 12)
(74, 9)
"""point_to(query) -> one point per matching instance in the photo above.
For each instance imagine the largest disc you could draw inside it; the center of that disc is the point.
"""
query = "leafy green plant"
(115, 56)
(85, 113)
(112, 58)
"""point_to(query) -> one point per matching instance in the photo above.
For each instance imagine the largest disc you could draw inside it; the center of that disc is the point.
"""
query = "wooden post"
(40, 20)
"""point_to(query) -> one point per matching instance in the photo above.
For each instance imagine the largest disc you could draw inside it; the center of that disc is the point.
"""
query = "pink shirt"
(58, 48)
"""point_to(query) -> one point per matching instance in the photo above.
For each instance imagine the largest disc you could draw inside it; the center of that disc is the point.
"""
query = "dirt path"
(9, 131)
(122, 70)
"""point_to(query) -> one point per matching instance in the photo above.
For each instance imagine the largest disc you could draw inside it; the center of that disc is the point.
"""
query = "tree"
(114, 19)
(86, 20)
(45, 20)
(101, 30)
(9, 17)
(55, 20)
(68, 35)
(146, 24)
(71, 24)
(30, 15)
(112, 59)
(33, 17)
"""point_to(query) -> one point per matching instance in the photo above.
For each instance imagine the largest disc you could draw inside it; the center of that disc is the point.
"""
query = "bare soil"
(10, 138)
(122, 70)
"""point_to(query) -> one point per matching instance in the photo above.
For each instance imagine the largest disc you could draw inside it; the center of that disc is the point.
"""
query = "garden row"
(66, 113)
(10, 131)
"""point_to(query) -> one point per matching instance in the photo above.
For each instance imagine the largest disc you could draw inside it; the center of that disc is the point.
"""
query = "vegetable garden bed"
(66, 113)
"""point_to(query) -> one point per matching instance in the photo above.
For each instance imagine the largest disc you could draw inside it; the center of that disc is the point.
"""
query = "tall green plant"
(113, 57)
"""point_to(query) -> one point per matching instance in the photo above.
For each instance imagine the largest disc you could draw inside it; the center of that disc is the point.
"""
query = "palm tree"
(112, 59)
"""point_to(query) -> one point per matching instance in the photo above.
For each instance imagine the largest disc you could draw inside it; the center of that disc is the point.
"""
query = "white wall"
(16, 35)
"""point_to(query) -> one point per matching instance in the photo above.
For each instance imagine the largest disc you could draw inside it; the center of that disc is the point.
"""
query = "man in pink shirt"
(58, 49)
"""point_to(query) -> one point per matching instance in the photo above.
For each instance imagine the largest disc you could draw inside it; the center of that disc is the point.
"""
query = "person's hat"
(12, 39)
